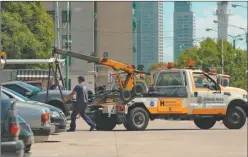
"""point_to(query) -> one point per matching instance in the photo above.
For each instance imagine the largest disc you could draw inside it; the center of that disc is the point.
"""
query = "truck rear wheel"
(235, 118)
(138, 119)
(105, 126)
(105, 123)
(205, 122)
(126, 126)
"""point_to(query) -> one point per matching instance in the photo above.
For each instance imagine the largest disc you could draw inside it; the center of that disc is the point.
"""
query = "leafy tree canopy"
(208, 54)
(27, 32)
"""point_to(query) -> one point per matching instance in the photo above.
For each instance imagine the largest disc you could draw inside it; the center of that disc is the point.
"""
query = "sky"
(204, 19)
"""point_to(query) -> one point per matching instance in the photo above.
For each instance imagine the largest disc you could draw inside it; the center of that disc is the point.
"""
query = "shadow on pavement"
(52, 141)
(159, 130)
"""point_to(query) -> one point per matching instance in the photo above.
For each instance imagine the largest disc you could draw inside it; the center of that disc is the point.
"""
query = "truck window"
(202, 81)
(169, 79)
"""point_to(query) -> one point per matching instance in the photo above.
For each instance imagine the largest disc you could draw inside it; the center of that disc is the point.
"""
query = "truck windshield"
(169, 79)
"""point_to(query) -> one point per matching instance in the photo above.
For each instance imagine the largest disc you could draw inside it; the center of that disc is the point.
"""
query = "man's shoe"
(70, 130)
(92, 128)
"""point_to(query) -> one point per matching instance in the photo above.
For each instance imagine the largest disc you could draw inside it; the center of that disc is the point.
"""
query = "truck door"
(209, 100)
(171, 86)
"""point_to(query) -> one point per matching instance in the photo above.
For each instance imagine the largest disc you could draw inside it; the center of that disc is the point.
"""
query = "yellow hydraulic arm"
(115, 65)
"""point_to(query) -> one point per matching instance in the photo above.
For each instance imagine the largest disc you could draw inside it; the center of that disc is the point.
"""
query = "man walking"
(81, 104)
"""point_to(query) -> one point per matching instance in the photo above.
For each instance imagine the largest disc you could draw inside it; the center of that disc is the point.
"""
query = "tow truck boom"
(115, 65)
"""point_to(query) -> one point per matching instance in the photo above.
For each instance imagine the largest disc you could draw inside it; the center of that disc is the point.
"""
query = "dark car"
(57, 116)
(26, 134)
(11, 146)
(37, 94)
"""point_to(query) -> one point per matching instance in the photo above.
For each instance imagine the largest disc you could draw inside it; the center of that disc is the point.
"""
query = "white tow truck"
(181, 94)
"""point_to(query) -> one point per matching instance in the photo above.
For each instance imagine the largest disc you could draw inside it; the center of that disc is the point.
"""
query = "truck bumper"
(12, 149)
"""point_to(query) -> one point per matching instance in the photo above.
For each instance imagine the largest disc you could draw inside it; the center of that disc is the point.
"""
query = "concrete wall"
(82, 36)
(114, 34)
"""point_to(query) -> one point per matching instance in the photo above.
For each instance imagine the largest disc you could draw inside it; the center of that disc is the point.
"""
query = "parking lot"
(162, 138)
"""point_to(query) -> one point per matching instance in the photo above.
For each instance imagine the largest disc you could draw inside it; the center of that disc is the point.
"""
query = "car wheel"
(235, 118)
(138, 119)
(205, 122)
(28, 148)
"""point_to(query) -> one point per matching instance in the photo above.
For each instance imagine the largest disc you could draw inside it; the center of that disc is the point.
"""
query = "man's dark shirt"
(82, 94)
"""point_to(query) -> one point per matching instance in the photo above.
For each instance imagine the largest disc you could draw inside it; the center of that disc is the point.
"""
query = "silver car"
(58, 118)
(37, 117)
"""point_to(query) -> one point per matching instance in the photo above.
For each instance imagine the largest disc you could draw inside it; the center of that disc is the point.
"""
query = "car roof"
(12, 82)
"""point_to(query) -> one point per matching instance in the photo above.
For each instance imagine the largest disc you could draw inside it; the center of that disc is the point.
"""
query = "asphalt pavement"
(162, 138)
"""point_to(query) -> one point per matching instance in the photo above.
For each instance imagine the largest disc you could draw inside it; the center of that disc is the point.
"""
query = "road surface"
(162, 138)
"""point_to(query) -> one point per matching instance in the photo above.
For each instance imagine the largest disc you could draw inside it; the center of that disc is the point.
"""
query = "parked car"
(26, 134)
(37, 117)
(57, 116)
(11, 146)
(38, 94)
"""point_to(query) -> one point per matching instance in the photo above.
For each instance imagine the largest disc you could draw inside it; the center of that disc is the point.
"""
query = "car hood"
(233, 89)
(52, 108)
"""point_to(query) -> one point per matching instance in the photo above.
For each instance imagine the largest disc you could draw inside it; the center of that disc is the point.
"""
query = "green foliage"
(27, 32)
(158, 66)
(209, 55)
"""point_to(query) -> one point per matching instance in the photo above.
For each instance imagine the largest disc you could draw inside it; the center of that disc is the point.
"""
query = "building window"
(64, 16)
(51, 13)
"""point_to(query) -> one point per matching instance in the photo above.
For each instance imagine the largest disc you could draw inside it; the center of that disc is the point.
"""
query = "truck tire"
(126, 126)
(138, 119)
(137, 90)
(205, 122)
(104, 123)
(105, 126)
(125, 95)
(235, 118)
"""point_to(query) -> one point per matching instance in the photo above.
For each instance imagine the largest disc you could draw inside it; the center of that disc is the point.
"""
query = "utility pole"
(57, 24)
(222, 57)
(67, 43)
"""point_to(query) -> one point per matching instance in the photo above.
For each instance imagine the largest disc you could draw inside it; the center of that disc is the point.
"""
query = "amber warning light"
(191, 63)
(169, 65)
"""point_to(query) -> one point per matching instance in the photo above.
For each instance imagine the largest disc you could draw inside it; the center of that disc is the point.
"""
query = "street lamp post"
(222, 53)
(234, 38)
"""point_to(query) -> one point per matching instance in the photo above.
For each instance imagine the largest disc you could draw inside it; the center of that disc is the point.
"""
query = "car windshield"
(17, 94)
(30, 87)
(4, 96)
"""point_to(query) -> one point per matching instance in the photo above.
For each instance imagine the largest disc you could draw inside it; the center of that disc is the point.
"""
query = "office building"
(95, 27)
(147, 33)
(222, 16)
(184, 27)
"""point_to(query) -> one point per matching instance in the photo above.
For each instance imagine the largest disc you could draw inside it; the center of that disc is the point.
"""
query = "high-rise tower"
(222, 17)
(184, 27)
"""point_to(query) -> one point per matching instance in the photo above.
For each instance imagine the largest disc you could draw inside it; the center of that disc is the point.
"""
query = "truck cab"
(188, 94)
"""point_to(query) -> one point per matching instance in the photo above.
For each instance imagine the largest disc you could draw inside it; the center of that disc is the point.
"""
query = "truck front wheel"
(235, 118)
(138, 119)
(205, 122)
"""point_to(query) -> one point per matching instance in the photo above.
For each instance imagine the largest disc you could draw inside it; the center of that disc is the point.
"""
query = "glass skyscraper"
(184, 27)
(147, 33)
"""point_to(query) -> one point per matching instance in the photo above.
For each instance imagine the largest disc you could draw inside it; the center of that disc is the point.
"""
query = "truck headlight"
(55, 114)
(245, 96)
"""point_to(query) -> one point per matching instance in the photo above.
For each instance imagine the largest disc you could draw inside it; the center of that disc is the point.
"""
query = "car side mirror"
(28, 94)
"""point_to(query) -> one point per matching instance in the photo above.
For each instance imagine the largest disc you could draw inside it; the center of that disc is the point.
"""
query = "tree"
(208, 54)
(27, 32)
(158, 66)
